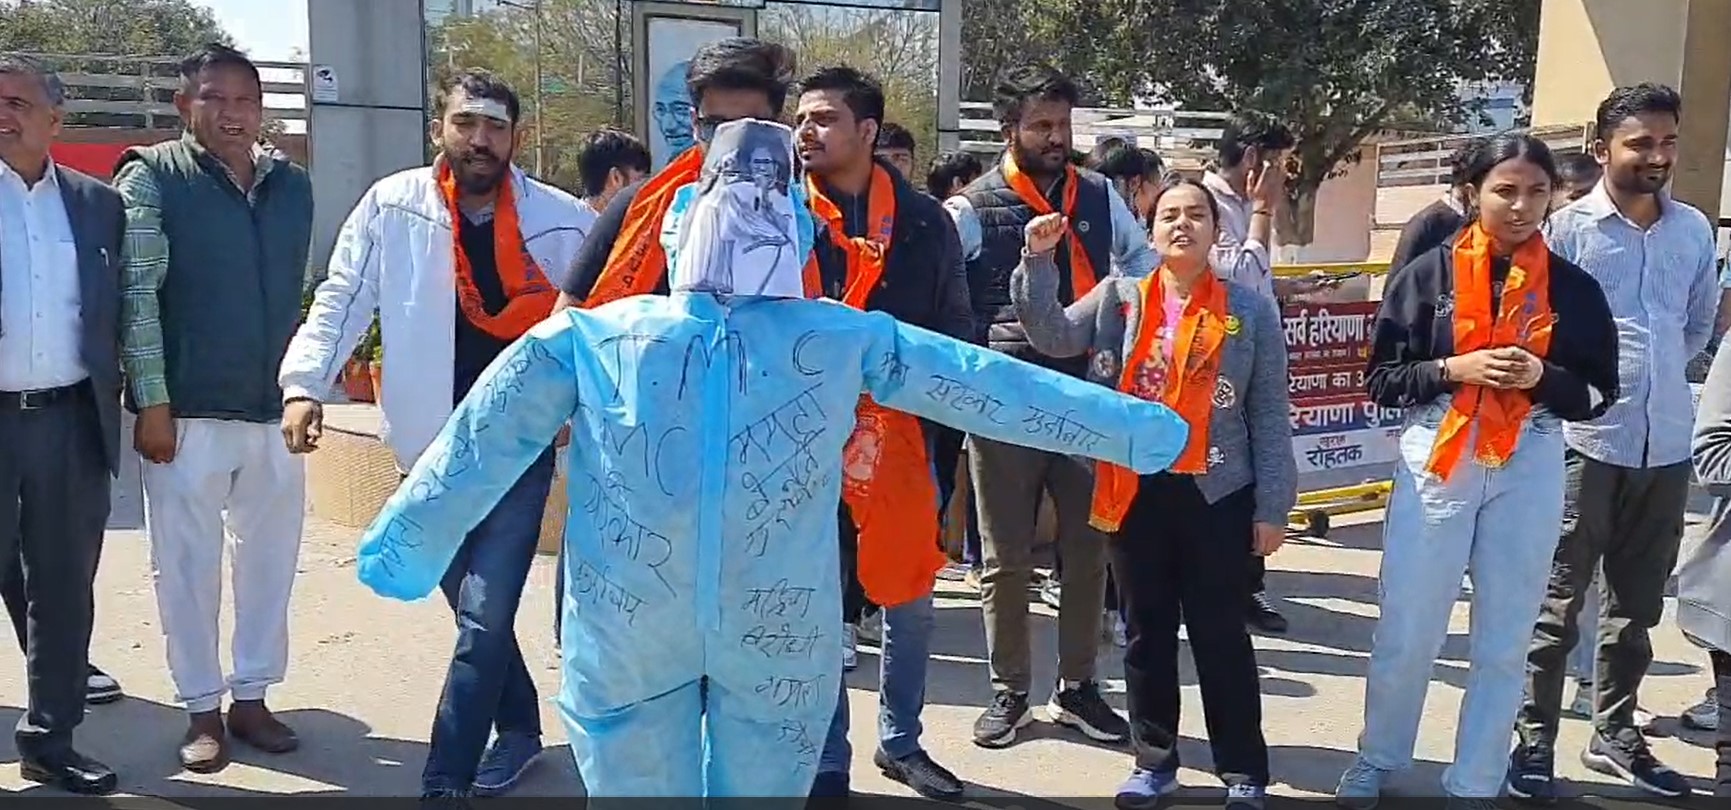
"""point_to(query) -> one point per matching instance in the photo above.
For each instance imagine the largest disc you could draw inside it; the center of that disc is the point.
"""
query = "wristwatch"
(1442, 367)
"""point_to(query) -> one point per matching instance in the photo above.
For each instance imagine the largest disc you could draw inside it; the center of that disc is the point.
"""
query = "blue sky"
(267, 30)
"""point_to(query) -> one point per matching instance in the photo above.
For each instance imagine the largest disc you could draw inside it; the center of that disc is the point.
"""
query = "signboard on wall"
(1335, 426)
(665, 36)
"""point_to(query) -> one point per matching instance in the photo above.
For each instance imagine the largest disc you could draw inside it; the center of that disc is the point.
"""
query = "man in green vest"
(217, 234)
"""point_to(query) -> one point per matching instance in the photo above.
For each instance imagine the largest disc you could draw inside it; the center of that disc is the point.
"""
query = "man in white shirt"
(452, 258)
(1247, 143)
(59, 411)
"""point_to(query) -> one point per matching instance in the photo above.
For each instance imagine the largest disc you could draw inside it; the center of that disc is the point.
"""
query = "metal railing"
(1184, 138)
(138, 92)
(1425, 161)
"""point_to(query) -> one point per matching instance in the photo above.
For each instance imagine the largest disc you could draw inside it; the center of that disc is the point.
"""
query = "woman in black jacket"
(1489, 342)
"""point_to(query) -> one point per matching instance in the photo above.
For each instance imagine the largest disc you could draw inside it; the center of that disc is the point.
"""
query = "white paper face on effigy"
(738, 234)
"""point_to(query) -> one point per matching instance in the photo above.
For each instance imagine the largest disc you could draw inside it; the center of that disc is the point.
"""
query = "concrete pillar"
(1588, 47)
(377, 123)
(949, 75)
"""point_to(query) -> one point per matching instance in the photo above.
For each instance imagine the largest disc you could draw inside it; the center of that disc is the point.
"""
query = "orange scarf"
(887, 475)
(1082, 278)
(638, 264)
(1523, 319)
(529, 295)
(1202, 330)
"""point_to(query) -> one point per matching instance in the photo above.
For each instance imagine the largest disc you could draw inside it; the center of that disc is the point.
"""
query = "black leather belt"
(39, 398)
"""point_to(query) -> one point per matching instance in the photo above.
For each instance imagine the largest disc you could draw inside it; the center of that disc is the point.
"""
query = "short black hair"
(603, 151)
(215, 55)
(741, 63)
(1509, 146)
(1579, 167)
(859, 90)
(895, 136)
(1246, 131)
(1018, 85)
(479, 83)
(1460, 161)
(949, 168)
(1125, 162)
(1103, 146)
(1627, 102)
(1173, 183)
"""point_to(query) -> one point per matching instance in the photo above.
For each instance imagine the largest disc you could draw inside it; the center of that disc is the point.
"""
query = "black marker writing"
(778, 600)
(959, 396)
(781, 641)
(792, 693)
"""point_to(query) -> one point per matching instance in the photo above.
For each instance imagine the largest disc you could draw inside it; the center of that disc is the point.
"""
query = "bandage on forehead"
(490, 108)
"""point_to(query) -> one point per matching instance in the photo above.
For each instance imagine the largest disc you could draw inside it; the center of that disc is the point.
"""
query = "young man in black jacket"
(923, 282)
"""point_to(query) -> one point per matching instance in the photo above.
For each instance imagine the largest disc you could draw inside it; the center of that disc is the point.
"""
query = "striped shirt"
(146, 252)
(1662, 285)
(1231, 261)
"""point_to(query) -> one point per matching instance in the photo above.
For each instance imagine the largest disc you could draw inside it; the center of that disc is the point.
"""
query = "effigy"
(702, 612)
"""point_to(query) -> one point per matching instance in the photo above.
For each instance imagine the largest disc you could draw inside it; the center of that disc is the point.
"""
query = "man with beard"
(453, 258)
(1629, 471)
(728, 80)
(216, 257)
(900, 256)
(1035, 177)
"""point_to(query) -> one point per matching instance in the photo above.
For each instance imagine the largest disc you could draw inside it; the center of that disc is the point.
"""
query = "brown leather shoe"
(251, 723)
(204, 749)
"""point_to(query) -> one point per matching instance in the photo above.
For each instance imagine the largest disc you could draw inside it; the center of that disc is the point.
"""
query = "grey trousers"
(1632, 521)
(1008, 480)
(54, 502)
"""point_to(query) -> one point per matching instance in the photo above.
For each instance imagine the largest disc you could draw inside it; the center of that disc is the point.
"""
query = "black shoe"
(830, 785)
(1635, 763)
(1262, 616)
(1083, 709)
(1532, 774)
(101, 688)
(1008, 713)
(918, 771)
(70, 771)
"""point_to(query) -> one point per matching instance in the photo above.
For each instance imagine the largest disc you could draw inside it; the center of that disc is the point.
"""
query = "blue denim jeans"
(1500, 527)
(907, 649)
(488, 684)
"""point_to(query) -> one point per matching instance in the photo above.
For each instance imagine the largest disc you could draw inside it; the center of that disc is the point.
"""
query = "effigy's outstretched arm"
(990, 394)
(508, 419)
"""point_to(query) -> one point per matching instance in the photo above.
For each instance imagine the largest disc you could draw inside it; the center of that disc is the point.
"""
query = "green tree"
(108, 27)
(1335, 71)
(898, 47)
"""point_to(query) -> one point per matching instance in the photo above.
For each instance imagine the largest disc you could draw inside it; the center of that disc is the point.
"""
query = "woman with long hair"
(1215, 352)
(1489, 342)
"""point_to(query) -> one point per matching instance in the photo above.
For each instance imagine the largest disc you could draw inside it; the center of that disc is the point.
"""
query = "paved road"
(366, 673)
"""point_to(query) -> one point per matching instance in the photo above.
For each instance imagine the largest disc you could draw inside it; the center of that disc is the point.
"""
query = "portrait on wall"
(667, 39)
(743, 208)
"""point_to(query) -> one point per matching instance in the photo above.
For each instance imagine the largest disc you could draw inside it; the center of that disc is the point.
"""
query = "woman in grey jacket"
(1215, 352)
(1704, 580)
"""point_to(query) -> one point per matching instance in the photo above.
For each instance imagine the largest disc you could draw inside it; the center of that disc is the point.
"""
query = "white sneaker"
(1120, 632)
(871, 629)
(849, 644)
(1052, 593)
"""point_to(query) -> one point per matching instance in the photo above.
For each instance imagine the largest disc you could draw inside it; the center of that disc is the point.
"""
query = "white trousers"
(238, 476)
